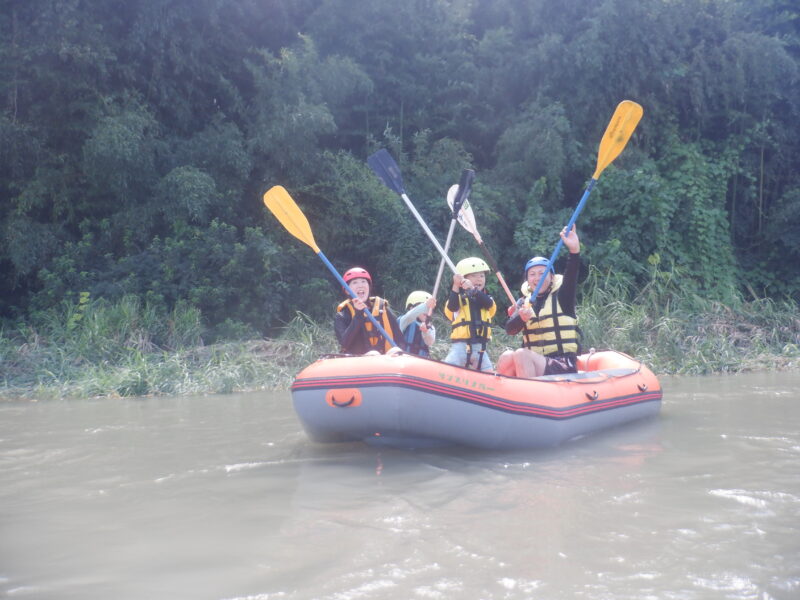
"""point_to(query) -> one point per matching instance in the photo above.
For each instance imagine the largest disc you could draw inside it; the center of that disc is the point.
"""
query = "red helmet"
(355, 273)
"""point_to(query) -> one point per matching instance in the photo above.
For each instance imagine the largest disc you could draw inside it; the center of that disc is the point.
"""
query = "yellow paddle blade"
(285, 209)
(619, 131)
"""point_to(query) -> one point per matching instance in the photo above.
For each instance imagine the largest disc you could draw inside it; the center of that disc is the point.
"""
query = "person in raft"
(418, 334)
(470, 310)
(549, 324)
(355, 332)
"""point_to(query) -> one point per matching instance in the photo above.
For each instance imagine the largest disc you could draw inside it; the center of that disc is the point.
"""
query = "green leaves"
(187, 193)
(137, 138)
(539, 144)
(120, 155)
(678, 214)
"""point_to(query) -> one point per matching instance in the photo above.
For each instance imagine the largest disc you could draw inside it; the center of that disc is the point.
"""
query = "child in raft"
(470, 310)
(418, 333)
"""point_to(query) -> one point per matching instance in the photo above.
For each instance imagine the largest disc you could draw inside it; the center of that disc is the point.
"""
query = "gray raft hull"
(417, 405)
(397, 417)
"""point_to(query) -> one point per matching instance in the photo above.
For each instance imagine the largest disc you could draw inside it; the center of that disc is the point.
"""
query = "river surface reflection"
(224, 497)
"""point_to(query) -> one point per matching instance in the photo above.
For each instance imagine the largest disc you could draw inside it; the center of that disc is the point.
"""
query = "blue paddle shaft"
(353, 295)
(560, 243)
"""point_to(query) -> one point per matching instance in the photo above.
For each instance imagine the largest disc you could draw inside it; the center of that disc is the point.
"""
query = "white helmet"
(417, 297)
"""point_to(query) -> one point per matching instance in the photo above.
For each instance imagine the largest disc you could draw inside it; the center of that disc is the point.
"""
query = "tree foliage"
(137, 138)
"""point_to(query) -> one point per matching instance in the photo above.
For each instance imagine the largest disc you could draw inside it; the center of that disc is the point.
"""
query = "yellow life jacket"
(551, 332)
(467, 328)
(379, 310)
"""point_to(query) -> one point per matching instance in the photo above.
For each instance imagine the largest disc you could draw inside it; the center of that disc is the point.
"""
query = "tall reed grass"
(132, 349)
(680, 332)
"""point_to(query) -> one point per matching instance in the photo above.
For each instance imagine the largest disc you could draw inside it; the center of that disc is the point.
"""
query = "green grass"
(684, 333)
(131, 349)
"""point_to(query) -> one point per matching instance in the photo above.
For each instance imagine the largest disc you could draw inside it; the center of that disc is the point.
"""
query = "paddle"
(456, 197)
(385, 167)
(466, 219)
(619, 130)
(283, 206)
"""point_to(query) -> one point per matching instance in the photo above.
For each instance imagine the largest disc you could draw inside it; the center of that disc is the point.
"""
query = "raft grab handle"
(343, 397)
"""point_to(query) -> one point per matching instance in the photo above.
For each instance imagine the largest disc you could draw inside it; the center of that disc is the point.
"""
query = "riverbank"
(96, 350)
(96, 359)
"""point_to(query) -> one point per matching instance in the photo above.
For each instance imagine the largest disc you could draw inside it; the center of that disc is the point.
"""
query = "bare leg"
(529, 364)
(505, 364)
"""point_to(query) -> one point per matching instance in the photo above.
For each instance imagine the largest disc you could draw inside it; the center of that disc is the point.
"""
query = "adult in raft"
(355, 332)
(549, 324)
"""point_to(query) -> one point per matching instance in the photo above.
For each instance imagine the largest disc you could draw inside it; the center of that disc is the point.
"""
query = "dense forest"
(137, 139)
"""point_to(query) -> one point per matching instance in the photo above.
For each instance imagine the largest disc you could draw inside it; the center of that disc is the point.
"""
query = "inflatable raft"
(406, 401)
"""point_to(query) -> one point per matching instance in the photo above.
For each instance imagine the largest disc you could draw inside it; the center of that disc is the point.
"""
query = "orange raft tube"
(407, 401)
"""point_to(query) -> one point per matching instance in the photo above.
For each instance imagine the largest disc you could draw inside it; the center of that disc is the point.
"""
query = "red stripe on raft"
(475, 397)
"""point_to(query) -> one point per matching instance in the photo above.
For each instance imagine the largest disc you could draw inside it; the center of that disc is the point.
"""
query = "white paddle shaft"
(428, 231)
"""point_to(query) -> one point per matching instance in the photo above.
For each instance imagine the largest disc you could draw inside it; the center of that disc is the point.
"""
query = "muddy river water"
(224, 497)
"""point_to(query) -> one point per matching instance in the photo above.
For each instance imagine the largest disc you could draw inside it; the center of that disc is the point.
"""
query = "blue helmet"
(537, 261)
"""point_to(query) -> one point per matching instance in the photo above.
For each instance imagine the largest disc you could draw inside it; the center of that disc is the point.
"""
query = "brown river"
(225, 498)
